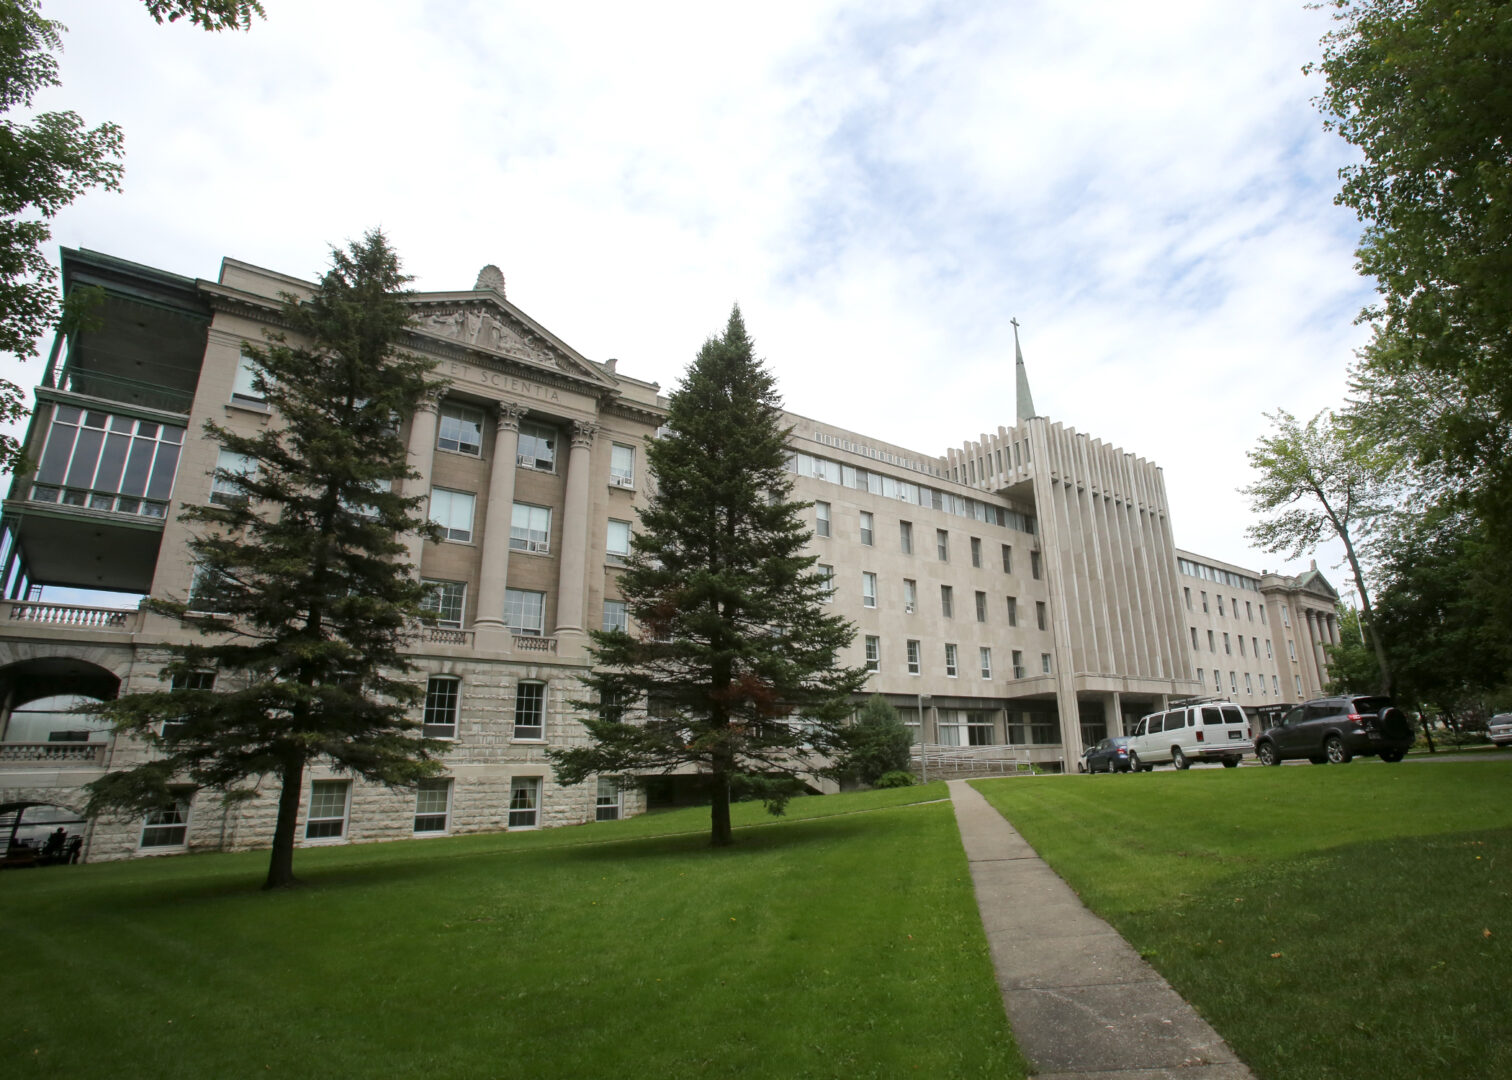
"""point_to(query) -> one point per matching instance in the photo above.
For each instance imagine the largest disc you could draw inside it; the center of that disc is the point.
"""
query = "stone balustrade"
(53, 754)
(74, 616)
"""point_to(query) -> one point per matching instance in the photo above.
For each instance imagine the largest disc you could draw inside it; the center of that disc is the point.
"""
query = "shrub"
(896, 778)
(877, 743)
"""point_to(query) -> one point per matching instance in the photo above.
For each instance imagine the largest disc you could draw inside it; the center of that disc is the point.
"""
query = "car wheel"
(1393, 756)
(1179, 759)
(1230, 763)
(1336, 751)
(1081, 766)
(1266, 752)
(1134, 765)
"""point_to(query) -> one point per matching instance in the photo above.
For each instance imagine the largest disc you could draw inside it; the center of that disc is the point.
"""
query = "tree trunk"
(1367, 613)
(719, 811)
(281, 864)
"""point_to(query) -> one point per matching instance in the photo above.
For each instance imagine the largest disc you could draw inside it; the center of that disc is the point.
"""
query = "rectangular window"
(433, 805)
(460, 430)
(537, 447)
(1212, 647)
(873, 653)
(1291, 648)
(1285, 616)
(905, 537)
(443, 603)
(616, 617)
(530, 710)
(1045, 663)
(622, 465)
(1007, 558)
(1018, 664)
(607, 801)
(1248, 686)
(524, 802)
(868, 589)
(1249, 611)
(1013, 611)
(189, 680)
(442, 695)
(166, 827)
(225, 489)
(827, 575)
(209, 591)
(1227, 649)
(328, 809)
(243, 388)
(1262, 612)
(1268, 654)
(530, 528)
(1204, 600)
(1255, 647)
(976, 552)
(1194, 637)
(981, 607)
(985, 655)
(913, 657)
(453, 511)
(950, 660)
(617, 541)
(1241, 644)
(1219, 598)
(947, 601)
(1187, 593)
(1217, 681)
(910, 596)
(1233, 682)
(1200, 680)
(1035, 569)
(866, 528)
(821, 519)
(1041, 615)
(525, 612)
(108, 462)
(942, 545)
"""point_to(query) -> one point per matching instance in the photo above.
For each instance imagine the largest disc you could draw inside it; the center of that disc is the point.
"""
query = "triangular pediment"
(485, 322)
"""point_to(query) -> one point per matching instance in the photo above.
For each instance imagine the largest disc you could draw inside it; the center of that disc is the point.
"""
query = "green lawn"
(1343, 921)
(842, 941)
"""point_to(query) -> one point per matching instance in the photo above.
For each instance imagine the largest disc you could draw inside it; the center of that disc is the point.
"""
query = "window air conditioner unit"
(908, 609)
(622, 481)
(541, 546)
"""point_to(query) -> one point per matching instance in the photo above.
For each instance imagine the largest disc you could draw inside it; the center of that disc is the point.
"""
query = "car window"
(1322, 709)
(1371, 704)
(1212, 714)
(1232, 714)
(1293, 717)
(1157, 724)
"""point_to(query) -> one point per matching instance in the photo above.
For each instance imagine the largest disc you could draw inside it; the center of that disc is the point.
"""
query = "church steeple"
(1025, 400)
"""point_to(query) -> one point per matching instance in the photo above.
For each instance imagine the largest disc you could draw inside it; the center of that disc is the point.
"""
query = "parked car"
(1111, 755)
(1210, 729)
(1336, 730)
(1500, 729)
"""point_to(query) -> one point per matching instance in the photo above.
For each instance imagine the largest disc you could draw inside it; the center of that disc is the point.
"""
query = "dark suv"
(1336, 730)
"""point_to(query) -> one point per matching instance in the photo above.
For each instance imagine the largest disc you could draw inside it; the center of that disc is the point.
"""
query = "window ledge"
(513, 741)
(248, 405)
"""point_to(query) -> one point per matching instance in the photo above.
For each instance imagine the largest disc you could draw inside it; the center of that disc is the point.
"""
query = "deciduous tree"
(304, 572)
(1315, 483)
(732, 652)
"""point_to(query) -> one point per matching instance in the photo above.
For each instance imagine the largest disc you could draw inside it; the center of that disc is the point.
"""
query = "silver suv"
(1500, 729)
(1207, 729)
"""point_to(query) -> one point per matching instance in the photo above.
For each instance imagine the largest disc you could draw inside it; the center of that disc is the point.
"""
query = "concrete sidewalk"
(1081, 1001)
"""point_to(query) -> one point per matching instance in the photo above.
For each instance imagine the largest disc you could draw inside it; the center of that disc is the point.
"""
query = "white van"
(1208, 729)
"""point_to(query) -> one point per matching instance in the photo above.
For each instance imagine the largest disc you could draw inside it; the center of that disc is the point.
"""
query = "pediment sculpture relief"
(482, 330)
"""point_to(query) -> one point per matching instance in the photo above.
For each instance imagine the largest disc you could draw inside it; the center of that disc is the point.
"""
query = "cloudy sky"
(881, 186)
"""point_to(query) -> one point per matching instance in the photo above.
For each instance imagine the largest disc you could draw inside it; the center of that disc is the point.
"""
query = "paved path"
(1082, 1002)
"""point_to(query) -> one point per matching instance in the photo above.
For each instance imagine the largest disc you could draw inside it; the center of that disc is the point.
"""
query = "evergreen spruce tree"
(878, 743)
(304, 571)
(733, 654)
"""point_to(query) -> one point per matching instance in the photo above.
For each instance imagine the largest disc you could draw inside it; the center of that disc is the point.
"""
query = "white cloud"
(880, 186)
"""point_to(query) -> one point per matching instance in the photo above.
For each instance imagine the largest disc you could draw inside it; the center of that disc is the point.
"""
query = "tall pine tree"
(733, 654)
(305, 573)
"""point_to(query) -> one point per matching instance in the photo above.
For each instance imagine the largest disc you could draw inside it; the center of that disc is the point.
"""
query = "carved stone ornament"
(508, 415)
(473, 326)
(583, 434)
(490, 277)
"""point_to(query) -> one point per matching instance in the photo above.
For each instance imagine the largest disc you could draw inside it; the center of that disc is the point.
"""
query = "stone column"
(1320, 655)
(493, 574)
(1113, 714)
(422, 453)
(574, 566)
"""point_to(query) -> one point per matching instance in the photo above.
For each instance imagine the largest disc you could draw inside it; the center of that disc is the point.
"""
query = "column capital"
(583, 434)
(507, 414)
(430, 398)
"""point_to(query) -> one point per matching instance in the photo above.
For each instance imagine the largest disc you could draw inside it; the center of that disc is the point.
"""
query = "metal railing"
(73, 616)
(998, 759)
(49, 754)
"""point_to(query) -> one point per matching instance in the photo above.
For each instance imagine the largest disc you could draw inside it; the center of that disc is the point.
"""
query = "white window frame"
(167, 828)
(537, 433)
(905, 537)
(984, 655)
(827, 574)
(616, 615)
(868, 528)
(981, 606)
(530, 528)
(1045, 664)
(242, 390)
(621, 466)
(942, 544)
(459, 415)
(448, 508)
(432, 815)
(617, 540)
(915, 660)
(608, 800)
(521, 699)
(525, 802)
(976, 552)
(448, 597)
(443, 697)
(822, 519)
(910, 596)
(324, 788)
(223, 490)
(952, 667)
(873, 653)
(868, 589)
(515, 604)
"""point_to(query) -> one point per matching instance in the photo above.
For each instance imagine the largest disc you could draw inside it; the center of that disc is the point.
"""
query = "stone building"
(1021, 590)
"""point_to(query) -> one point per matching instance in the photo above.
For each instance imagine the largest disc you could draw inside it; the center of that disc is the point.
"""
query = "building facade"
(1023, 589)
